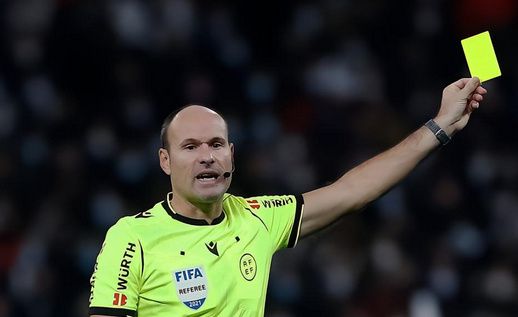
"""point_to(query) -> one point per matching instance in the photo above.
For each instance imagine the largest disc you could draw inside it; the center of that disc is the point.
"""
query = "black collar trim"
(191, 221)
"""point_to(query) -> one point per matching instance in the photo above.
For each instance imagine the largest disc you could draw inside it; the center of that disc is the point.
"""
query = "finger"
(461, 82)
(471, 85)
(474, 105)
(481, 90)
(477, 97)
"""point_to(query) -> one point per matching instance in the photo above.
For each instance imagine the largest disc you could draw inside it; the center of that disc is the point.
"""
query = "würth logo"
(119, 299)
(124, 270)
(282, 201)
(254, 204)
(213, 248)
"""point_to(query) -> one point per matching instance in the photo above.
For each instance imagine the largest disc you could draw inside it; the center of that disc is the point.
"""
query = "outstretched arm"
(371, 179)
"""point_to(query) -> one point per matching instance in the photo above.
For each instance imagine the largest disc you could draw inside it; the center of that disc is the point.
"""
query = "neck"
(196, 210)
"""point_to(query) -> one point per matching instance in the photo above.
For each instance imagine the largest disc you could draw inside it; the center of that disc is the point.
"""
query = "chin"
(210, 196)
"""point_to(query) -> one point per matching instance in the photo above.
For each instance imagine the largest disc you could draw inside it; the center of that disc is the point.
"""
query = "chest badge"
(191, 286)
(248, 266)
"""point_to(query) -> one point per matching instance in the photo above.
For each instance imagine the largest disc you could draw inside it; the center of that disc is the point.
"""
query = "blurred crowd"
(309, 89)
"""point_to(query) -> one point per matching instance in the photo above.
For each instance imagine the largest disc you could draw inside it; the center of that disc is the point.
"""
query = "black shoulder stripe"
(253, 214)
(141, 257)
(109, 311)
(297, 222)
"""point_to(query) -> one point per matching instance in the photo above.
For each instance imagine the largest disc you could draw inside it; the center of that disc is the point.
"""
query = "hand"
(459, 100)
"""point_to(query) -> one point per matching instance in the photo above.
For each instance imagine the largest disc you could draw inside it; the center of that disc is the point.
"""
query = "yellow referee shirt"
(160, 263)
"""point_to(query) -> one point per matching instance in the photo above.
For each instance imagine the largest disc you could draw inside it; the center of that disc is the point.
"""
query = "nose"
(206, 155)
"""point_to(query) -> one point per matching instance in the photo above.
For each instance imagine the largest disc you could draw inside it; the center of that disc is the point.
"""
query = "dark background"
(309, 91)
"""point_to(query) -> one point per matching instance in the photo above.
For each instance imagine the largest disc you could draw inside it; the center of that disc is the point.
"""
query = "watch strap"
(438, 132)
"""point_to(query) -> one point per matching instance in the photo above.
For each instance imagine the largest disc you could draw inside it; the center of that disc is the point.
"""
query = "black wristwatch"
(438, 132)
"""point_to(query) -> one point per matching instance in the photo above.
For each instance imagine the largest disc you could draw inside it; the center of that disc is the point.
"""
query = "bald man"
(204, 252)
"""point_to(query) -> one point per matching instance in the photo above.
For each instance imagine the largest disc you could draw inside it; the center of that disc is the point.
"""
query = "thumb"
(470, 87)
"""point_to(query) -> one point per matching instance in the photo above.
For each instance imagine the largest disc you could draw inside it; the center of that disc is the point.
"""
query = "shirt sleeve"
(117, 272)
(282, 216)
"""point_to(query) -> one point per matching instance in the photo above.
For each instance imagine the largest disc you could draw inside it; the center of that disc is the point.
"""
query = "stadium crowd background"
(309, 89)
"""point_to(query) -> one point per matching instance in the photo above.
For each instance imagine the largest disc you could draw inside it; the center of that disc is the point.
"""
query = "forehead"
(198, 123)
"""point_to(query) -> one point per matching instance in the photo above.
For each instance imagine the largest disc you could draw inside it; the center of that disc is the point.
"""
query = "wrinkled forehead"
(198, 124)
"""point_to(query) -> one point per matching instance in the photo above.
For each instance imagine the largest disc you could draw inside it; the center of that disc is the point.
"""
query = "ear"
(163, 156)
(232, 154)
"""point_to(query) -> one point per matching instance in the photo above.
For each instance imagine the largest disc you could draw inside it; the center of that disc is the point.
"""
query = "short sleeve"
(282, 216)
(115, 281)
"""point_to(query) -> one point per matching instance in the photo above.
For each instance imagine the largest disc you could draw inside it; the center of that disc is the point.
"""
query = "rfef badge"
(191, 286)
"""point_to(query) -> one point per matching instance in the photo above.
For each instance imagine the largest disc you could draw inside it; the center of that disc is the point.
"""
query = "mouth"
(207, 177)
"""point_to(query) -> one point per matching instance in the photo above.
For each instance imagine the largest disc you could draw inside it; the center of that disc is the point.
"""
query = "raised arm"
(371, 179)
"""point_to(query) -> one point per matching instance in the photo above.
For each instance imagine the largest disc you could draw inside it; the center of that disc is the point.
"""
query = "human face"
(198, 156)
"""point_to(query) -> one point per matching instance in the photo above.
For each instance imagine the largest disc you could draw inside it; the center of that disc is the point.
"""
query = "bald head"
(188, 117)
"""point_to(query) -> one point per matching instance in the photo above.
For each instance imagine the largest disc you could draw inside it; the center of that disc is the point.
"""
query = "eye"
(217, 145)
(190, 147)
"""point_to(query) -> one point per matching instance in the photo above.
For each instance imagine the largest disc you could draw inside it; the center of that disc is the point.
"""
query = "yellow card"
(481, 56)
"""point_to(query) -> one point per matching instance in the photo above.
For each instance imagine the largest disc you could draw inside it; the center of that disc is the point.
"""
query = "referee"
(204, 252)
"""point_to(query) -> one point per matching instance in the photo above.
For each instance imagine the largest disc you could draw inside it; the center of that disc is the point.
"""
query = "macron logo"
(213, 248)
